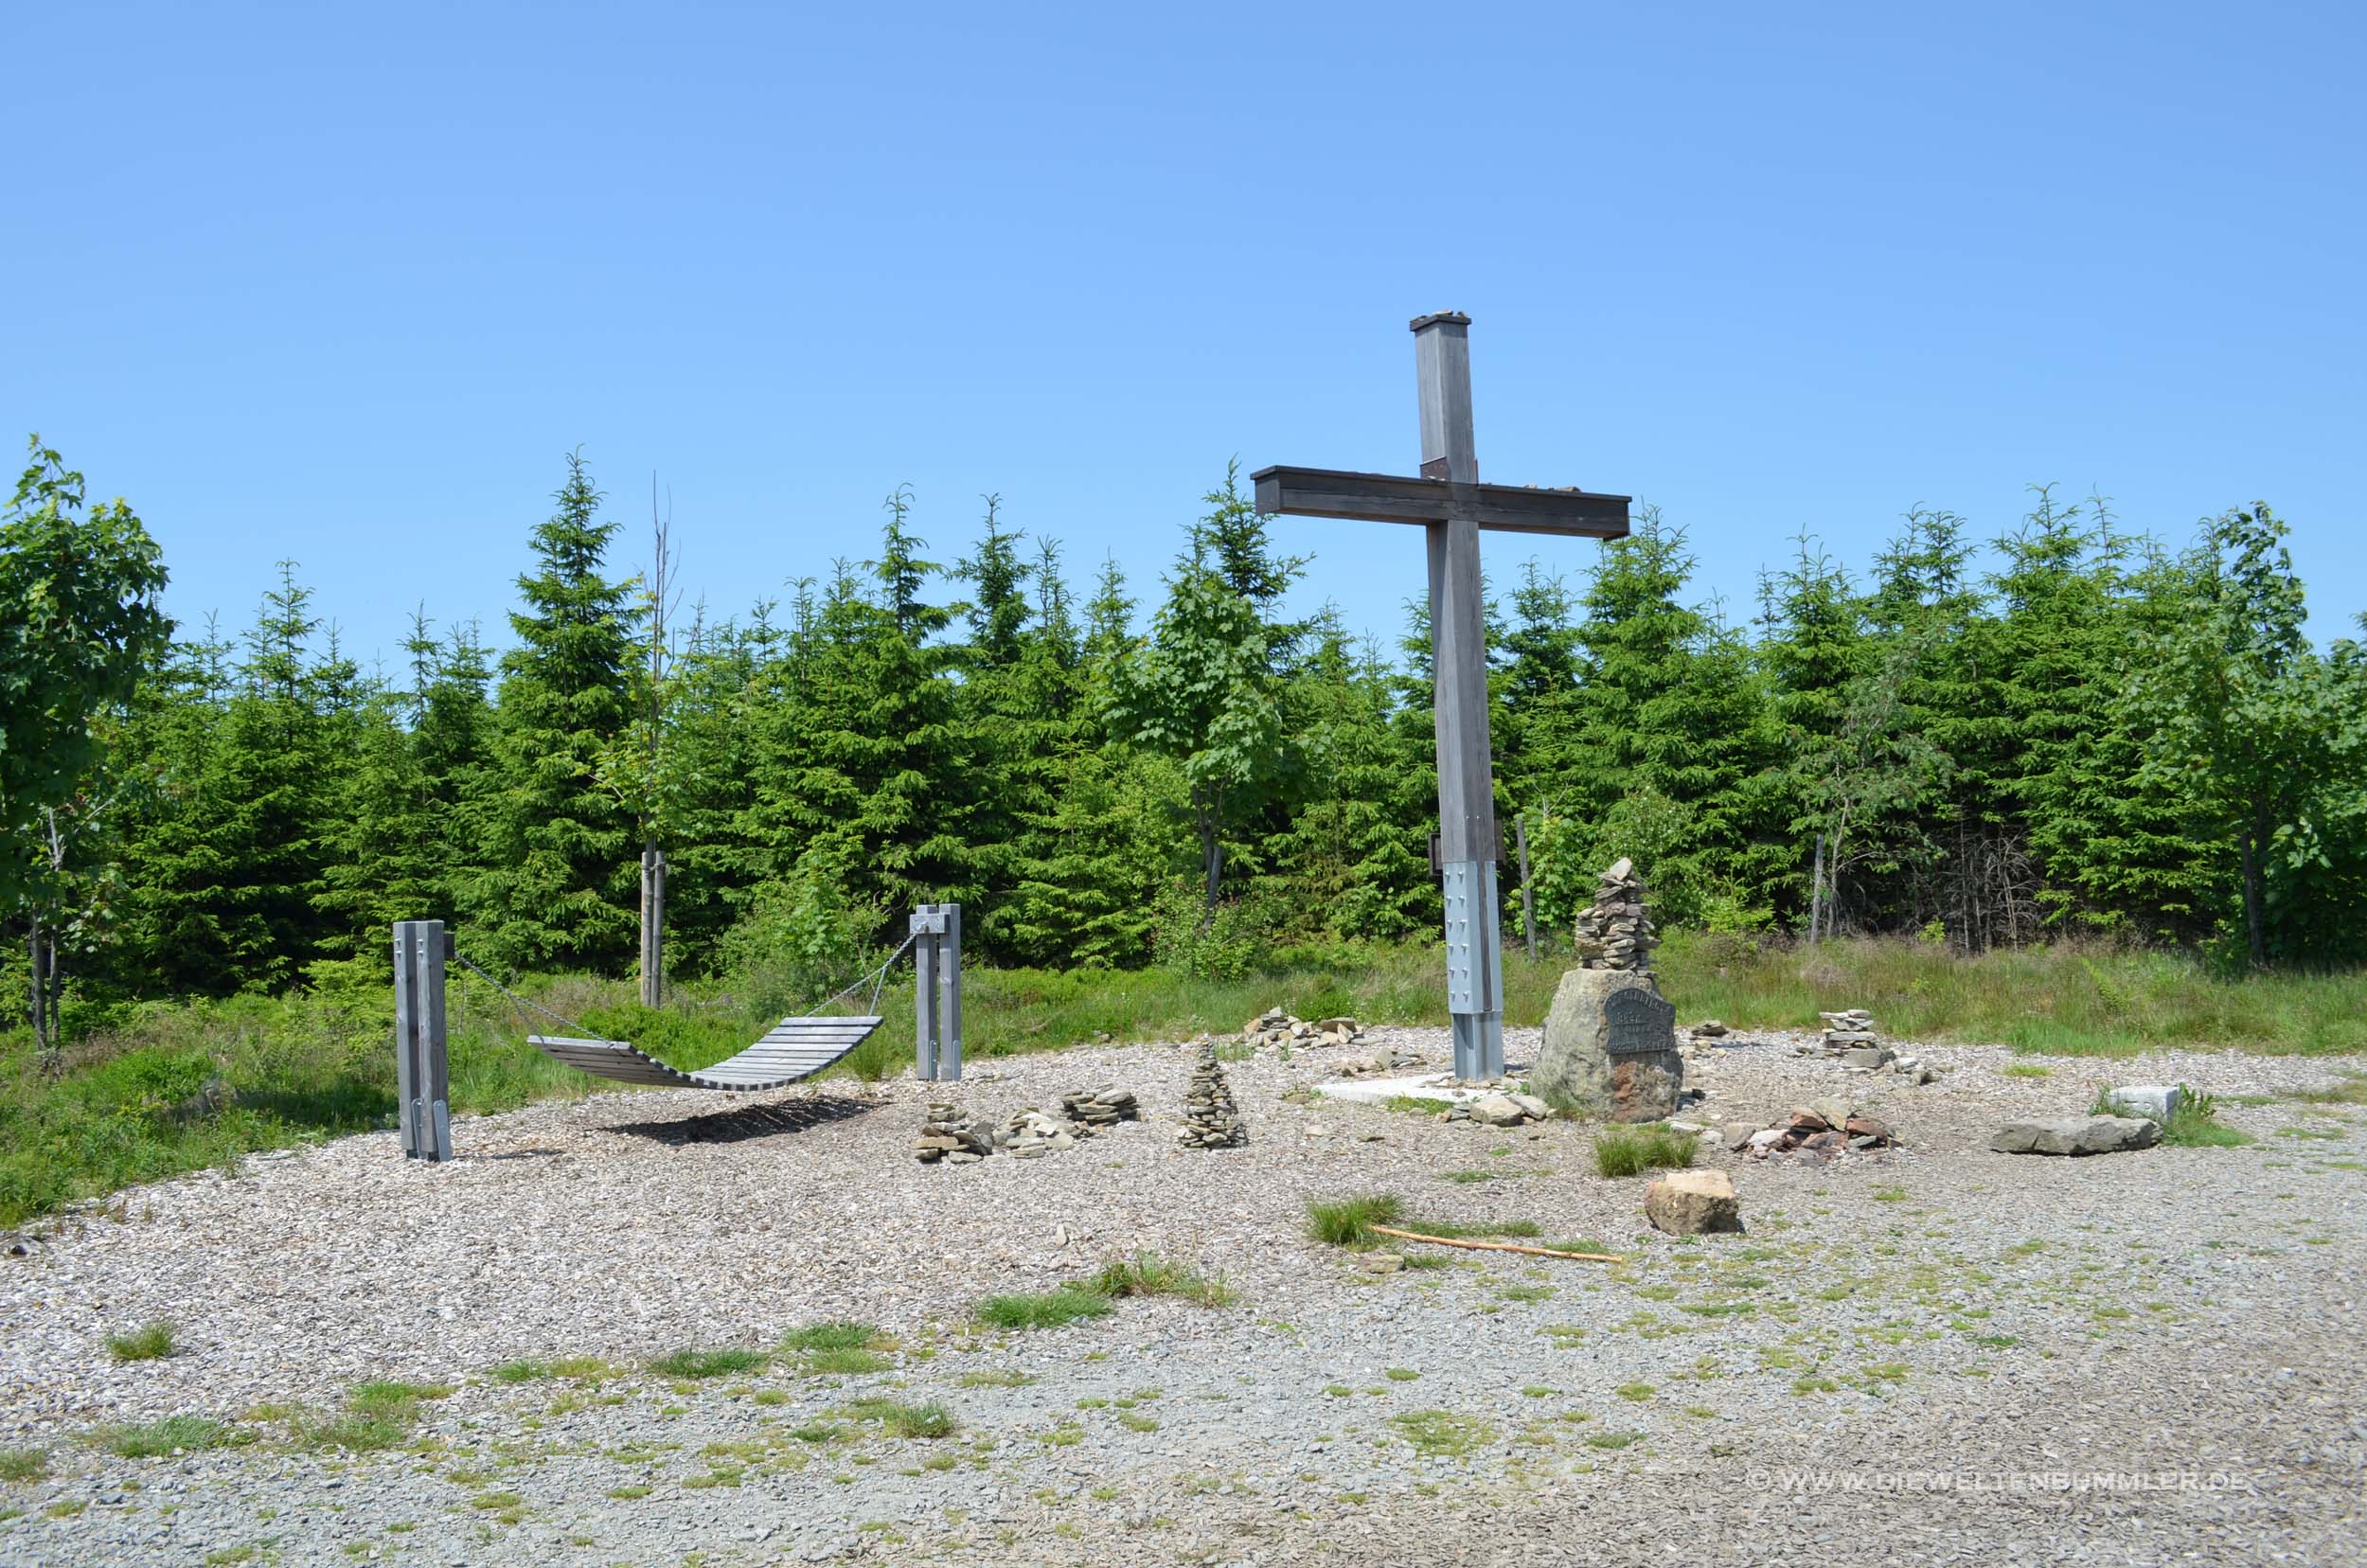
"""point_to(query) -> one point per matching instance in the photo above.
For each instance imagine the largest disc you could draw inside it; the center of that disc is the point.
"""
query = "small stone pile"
(1030, 1134)
(1849, 1036)
(947, 1136)
(1104, 1107)
(1615, 932)
(1380, 1065)
(1211, 1121)
(1275, 1029)
(1818, 1131)
(1501, 1108)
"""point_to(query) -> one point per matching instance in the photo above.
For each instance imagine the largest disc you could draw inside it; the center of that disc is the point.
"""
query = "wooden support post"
(422, 1074)
(653, 927)
(1528, 899)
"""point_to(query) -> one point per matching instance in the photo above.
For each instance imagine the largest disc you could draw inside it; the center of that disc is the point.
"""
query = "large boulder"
(1693, 1202)
(2076, 1136)
(1610, 1048)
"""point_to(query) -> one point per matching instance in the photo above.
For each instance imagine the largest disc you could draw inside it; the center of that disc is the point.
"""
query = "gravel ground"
(1925, 1355)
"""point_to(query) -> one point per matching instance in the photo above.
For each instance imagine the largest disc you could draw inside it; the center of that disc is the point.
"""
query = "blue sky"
(343, 285)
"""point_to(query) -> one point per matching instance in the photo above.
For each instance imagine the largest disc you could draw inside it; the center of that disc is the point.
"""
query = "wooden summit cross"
(1452, 505)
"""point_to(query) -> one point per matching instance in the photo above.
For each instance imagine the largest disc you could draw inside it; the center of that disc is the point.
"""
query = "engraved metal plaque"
(1639, 1023)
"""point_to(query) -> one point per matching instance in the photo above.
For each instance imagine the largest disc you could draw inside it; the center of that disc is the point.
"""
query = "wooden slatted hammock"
(796, 1049)
(793, 1050)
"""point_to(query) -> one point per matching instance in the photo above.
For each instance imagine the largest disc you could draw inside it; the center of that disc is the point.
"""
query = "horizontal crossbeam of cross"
(1386, 498)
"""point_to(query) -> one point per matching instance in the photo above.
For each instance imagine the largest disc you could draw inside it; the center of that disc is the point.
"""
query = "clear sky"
(343, 283)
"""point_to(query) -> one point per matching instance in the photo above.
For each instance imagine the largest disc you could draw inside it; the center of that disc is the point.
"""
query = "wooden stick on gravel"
(1494, 1246)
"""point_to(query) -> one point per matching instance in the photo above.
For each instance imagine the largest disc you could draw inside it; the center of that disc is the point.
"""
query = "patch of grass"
(1349, 1221)
(1046, 1309)
(521, 1371)
(1440, 1433)
(1890, 1195)
(2024, 1070)
(148, 1342)
(1611, 1439)
(701, 1364)
(2349, 1090)
(997, 1377)
(174, 1434)
(23, 1464)
(839, 1335)
(1146, 1274)
(1416, 1105)
(1630, 1150)
(1402, 1374)
(377, 1415)
(1635, 1391)
(907, 1420)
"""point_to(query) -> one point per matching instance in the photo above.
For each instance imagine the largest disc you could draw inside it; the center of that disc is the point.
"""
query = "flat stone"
(1736, 1134)
(1382, 1264)
(1693, 1202)
(1866, 1057)
(1498, 1110)
(2076, 1136)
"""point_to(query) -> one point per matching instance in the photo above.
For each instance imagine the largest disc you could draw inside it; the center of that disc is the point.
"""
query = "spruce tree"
(556, 879)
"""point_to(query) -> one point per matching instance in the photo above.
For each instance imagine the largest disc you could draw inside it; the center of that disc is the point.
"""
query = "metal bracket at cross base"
(936, 932)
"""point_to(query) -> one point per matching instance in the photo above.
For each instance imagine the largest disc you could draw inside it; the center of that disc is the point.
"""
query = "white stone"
(2153, 1102)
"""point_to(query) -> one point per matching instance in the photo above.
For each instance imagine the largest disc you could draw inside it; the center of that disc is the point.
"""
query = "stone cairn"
(1818, 1132)
(1849, 1034)
(1029, 1135)
(947, 1136)
(1275, 1029)
(1615, 932)
(1104, 1107)
(1211, 1121)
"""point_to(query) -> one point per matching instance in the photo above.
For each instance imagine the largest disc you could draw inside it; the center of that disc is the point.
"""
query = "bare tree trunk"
(1816, 890)
(653, 927)
(2256, 932)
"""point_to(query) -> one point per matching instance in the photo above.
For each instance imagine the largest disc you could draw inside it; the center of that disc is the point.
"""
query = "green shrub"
(1652, 1146)
(150, 1342)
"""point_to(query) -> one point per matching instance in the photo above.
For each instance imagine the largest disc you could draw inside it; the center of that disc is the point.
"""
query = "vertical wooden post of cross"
(1468, 847)
(422, 1074)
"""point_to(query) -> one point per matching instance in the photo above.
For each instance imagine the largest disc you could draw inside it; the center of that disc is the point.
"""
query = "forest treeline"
(2077, 730)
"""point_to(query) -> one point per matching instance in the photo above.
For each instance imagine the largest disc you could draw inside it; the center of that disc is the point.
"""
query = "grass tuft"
(150, 1342)
(700, 1364)
(23, 1464)
(1045, 1309)
(1350, 1221)
(907, 1420)
(174, 1434)
(1620, 1150)
(1146, 1274)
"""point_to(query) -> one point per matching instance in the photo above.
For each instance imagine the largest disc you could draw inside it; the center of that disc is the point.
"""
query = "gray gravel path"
(1943, 1346)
